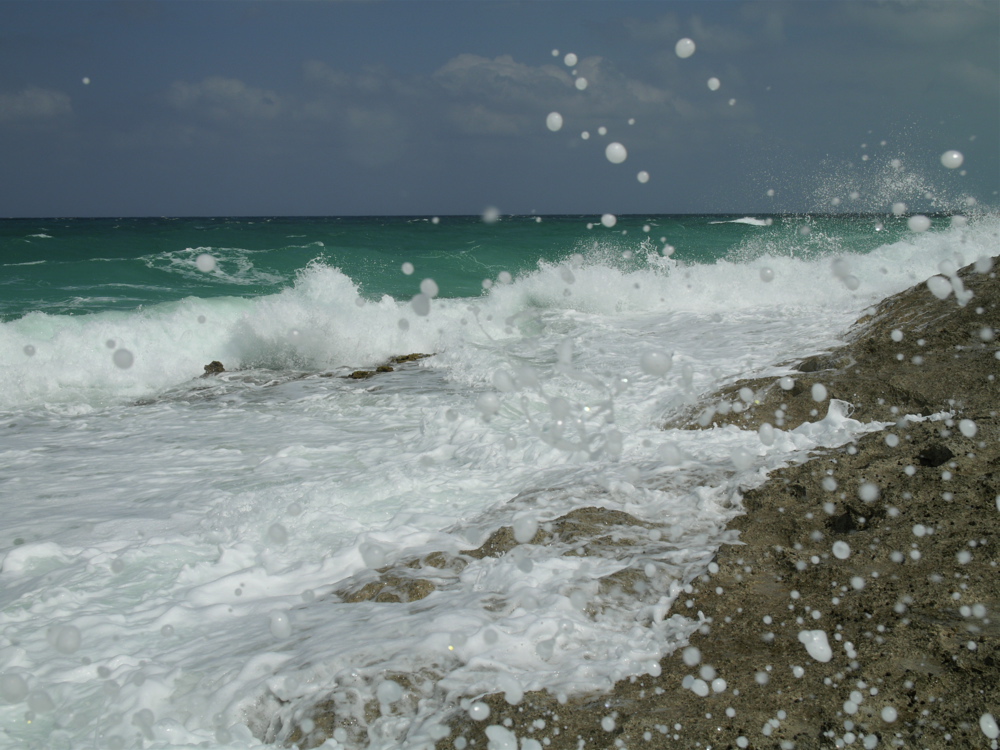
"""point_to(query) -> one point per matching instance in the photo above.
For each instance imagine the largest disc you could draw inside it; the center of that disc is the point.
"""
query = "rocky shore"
(881, 556)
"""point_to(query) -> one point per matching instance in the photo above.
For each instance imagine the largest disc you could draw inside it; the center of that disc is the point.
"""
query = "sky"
(438, 107)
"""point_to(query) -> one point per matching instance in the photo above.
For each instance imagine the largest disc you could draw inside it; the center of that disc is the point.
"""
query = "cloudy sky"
(325, 107)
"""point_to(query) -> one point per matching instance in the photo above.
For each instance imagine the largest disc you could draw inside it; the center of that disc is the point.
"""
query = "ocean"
(178, 553)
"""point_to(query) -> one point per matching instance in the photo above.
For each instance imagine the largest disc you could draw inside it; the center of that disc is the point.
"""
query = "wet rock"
(934, 455)
(390, 588)
(213, 368)
(400, 359)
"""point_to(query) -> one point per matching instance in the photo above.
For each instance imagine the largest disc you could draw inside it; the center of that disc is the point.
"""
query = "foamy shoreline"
(903, 587)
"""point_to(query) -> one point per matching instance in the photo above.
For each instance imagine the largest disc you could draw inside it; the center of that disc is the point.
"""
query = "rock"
(401, 359)
(398, 360)
(213, 368)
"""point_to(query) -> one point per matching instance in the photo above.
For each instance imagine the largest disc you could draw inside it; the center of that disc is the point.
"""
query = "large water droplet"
(656, 364)
(616, 152)
(123, 358)
(554, 121)
(421, 304)
(13, 688)
(429, 287)
(952, 159)
(205, 263)
(684, 48)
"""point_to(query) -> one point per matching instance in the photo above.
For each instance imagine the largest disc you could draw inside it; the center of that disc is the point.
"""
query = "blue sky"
(434, 107)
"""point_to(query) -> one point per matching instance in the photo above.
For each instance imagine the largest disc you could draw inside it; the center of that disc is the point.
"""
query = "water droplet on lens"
(205, 263)
(616, 152)
(123, 358)
(684, 48)
(952, 159)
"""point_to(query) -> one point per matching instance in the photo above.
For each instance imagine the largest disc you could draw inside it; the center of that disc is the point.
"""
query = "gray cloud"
(222, 98)
(34, 103)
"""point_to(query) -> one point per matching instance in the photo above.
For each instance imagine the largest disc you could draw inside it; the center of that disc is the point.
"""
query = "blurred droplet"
(123, 358)
(766, 274)
(407, 268)
(491, 215)
(615, 153)
(64, 638)
(952, 159)
(554, 121)
(205, 262)
(570, 60)
(421, 304)
(281, 626)
(581, 83)
(488, 404)
(714, 83)
(29, 350)
(13, 688)
(684, 47)
(609, 220)
(525, 529)
(643, 176)
(277, 534)
(429, 287)
(656, 364)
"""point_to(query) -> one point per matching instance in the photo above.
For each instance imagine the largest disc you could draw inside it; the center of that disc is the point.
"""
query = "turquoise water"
(75, 266)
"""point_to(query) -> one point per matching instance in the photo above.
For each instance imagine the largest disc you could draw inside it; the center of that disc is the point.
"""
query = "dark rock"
(934, 455)
(361, 374)
(400, 359)
(213, 368)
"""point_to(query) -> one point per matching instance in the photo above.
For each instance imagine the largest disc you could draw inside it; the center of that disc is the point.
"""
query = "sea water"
(175, 549)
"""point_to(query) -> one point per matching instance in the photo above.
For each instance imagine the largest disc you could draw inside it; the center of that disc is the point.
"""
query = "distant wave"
(746, 220)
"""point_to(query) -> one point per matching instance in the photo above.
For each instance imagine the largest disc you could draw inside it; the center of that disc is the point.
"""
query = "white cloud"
(34, 103)
(222, 98)
(502, 79)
